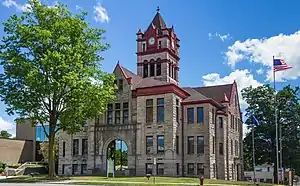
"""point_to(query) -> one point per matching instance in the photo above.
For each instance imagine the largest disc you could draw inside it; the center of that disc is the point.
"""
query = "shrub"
(1, 170)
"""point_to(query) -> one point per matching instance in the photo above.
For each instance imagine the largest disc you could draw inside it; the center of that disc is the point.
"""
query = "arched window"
(158, 67)
(152, 69)
(145, 68)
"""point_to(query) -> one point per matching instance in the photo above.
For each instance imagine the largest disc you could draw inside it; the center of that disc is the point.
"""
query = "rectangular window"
(214, 170)
(177, 169)
(84, 146)
(221, 149)
(200, 115)
(117, 113)
(233, 118)
(145, 67)
(158, 69)
(160, 169)
(149, 168)
(149, 110)
(170, 70)
(214, 144)
(200, 169)
(75, 147)
(175, 73)
(151, 69)
(74, 168)
(120, 85)
(231, 147)
(160, 110)
(159, 44)
(220, 122)
(177, 144)
(125, 113)
(160, 144)
(64, 149)
(236, 148)
(63, 169)
(190, 115)
(149, 144)
(144, 47)
(177, 110)
(200, 145)
(83, 169)
(190, 145)
(191, 169)
(213, 115)
(109, 114)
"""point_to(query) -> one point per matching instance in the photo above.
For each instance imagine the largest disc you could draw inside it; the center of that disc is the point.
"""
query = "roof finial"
(158, 9)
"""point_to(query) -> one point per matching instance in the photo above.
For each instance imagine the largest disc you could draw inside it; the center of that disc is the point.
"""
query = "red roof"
(218, 93)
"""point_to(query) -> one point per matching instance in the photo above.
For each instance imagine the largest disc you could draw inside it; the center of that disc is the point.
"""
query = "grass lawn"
(101, 180)
(158, 180)
(30, 179)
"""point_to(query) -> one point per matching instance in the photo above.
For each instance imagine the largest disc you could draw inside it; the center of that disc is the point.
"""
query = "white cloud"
(210, 35)
(260, 51)
(243, 79)
(19, 7)
(6, 125)
(78, 7)
(219, 36)
(100, 14)
(260, 71)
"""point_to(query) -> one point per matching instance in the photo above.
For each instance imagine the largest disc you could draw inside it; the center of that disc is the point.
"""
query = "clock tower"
(158, 51)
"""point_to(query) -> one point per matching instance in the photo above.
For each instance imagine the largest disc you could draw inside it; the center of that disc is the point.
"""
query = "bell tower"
(158, 51)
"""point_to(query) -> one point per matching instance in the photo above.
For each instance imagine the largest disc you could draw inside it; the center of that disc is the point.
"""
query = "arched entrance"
(117, 150)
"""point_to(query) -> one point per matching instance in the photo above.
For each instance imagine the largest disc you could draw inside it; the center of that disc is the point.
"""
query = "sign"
(154, 161)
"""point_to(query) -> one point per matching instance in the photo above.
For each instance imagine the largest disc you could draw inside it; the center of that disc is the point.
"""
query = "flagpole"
(253, 153)
(276, 126)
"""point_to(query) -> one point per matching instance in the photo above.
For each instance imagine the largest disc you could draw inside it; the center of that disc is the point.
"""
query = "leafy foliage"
(51, 61)
(4, 134)
(261, 104)
(44, 146)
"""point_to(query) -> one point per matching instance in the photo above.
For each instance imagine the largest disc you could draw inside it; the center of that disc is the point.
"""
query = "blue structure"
(40, 134)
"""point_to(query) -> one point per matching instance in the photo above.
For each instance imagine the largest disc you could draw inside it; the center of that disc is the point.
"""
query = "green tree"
(51, 61)
(4, 134)
(44, 146)
(261, 104)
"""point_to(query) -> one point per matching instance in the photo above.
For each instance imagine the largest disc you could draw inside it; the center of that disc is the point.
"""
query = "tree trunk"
(51, 158)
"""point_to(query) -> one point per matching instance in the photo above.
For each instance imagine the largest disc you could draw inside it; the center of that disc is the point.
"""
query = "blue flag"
(254, 121)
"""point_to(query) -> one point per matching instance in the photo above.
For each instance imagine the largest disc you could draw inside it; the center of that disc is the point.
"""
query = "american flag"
(279, 64)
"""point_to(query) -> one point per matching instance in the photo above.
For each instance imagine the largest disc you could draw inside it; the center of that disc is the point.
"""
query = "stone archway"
(117, 150)
(129, 169)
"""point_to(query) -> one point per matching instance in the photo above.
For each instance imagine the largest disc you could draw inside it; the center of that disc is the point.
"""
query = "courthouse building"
(189, 130)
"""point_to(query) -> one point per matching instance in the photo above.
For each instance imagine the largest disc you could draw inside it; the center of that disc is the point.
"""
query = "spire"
(158, 21)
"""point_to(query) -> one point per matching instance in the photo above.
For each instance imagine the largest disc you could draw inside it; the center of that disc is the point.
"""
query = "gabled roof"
(158, 22)
(216, 92)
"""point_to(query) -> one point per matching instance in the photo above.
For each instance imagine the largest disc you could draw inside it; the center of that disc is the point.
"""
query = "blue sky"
(221, 41)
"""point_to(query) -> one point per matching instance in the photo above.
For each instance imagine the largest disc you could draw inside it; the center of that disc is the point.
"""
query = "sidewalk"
(4, 177)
